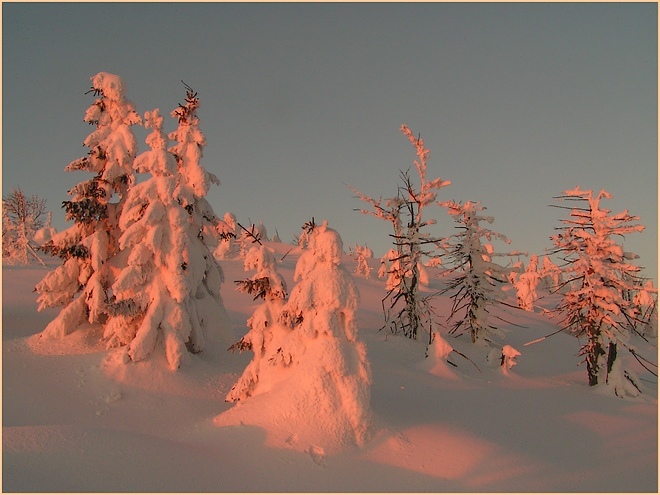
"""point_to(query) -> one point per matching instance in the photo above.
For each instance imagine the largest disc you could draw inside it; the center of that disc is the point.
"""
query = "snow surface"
(76, 417)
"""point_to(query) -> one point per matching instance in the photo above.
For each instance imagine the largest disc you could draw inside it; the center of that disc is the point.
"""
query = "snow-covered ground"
(77, 419)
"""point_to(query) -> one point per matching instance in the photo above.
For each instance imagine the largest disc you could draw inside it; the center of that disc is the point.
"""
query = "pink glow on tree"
(526, 284)
(408, 311)
(169, 290)
(266, 333)
(81, 283)
(312, 370)
(598, 276)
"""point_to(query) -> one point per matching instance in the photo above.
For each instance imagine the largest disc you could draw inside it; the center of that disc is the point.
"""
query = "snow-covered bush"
(476, 279)
(598, 274)
(45, 233)
(313, 375)
(169, 289)
(82, 282)
(408, 311)
(508, 359)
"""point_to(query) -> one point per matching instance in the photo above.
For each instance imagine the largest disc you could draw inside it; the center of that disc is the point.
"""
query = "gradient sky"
(516, 102)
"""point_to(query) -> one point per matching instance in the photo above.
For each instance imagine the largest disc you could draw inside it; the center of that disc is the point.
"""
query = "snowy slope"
(75, 418)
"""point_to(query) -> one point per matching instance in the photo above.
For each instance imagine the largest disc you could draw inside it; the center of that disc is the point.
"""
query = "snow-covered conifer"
(550, 274)
(324, 342)
(248, 237)
(266, 333)
(302, 240)
(598, 272)
(195, 179)
(226, 248)
(316, 376)
(526, 283)
(408, 310)
(169, 290)
(81, 283)
(362, 255)
(477, 280)
(188, 150)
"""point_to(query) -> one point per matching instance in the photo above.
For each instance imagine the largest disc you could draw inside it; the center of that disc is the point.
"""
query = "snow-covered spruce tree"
(247, 237)
(406, 310)
(196, 180)
(324, 346)
(597, 273)
(226, 248)
(266, 333)
(302, 240)
(526, 283)
(476, 280)
(550, 274)
(314, 380)
(169, 290)
(81, 283)
(361, 255)
(22, 217)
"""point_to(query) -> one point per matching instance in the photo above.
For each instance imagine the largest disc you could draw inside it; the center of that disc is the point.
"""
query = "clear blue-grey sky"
(517, 103)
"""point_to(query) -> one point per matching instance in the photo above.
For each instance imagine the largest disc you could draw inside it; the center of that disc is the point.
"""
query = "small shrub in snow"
(302, 240)
(598, 276)
(45, 233)
(508, 360)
